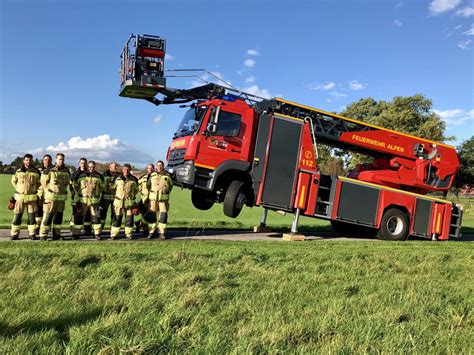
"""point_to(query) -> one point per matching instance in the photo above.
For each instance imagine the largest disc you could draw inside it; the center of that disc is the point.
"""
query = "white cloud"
(101, 148)
(256, 90)
(169, 57)
(253, 52)
(466, 12)
(457, 27)
(249, 63)
(355, 85)
(469, 32)
(249, 80)
(441, 6)
(398, 23)
(327, 86)
(464, 44)
(337, 94)
(157, 119)
(455, 117)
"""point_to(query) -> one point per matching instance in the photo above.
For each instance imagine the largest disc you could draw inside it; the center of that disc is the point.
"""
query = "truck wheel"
(202, 200)
(394, 225)
(234, 199)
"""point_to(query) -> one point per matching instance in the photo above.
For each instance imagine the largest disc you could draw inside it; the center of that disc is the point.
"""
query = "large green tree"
(465, 176)
(407, 114)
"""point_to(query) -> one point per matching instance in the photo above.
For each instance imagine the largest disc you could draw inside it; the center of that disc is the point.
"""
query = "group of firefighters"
(43, 191)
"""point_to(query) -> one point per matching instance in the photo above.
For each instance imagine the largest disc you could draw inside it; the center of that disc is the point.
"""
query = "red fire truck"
(238, 149)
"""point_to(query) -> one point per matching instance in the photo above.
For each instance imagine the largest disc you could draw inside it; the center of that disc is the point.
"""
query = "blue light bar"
(228, 97)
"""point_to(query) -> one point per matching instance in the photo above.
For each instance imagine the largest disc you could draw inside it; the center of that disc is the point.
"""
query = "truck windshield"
(191, 121)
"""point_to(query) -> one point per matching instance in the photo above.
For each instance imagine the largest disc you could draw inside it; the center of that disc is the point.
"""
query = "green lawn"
(215, 297)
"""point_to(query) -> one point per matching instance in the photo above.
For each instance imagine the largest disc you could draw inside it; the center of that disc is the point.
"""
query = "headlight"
(183, 172)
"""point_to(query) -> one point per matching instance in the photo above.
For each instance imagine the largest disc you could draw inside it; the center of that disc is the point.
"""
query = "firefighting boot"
(128, 233)
(32, 231)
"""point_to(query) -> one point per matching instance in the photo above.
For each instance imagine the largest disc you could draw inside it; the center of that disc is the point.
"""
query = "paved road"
(228, 235)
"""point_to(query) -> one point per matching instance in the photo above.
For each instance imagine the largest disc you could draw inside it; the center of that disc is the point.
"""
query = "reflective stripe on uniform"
(50, 196)
(89, 200)
(26, 198)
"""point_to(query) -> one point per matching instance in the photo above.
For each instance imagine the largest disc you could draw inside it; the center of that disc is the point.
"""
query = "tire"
(394, 225)
(234, 199)
(202, 200)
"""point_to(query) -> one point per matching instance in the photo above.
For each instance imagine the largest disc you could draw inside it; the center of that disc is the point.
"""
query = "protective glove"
(11, 203)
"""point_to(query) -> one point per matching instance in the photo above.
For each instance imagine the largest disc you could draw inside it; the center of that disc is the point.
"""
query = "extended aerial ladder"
(400, 160)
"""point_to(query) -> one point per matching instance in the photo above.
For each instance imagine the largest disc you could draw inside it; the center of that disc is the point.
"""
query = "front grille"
(176, 157)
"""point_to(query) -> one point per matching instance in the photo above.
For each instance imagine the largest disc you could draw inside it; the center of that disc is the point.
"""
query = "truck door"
(276, 160)
(224, 141)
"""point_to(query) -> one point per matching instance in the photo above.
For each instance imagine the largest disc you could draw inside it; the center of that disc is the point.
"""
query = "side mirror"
(211, 127)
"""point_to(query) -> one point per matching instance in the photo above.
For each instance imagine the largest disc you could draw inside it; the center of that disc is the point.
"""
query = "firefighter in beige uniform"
(144, 202)
(26, 182)
(126, 189)
(88, 187)
(55, 182)
(160, 185)
(108, 194)
(45, 164)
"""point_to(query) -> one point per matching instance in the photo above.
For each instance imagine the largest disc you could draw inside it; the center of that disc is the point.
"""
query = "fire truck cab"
(213, 147)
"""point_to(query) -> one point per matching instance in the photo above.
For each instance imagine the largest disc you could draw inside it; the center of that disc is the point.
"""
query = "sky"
(60, 60)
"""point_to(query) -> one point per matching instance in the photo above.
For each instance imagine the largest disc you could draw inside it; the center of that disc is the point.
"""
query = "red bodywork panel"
(439, 219)
(152, 53)
(209, 151)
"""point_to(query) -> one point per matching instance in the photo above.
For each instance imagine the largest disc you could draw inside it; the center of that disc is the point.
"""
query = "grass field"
(184, 215)
(217, 297)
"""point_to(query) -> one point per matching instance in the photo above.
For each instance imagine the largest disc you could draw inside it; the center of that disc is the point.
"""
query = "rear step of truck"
(456, 219)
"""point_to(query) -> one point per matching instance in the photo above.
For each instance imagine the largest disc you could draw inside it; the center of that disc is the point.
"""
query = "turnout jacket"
(26, 183)
(54, 182)
(160, 186)
(42, 168)
(143, 187)
(126, 191)
(89, 187)
(72, 186)
(109, 185)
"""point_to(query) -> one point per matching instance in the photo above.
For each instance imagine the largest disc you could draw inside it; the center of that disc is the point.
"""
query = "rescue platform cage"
(142, 66)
